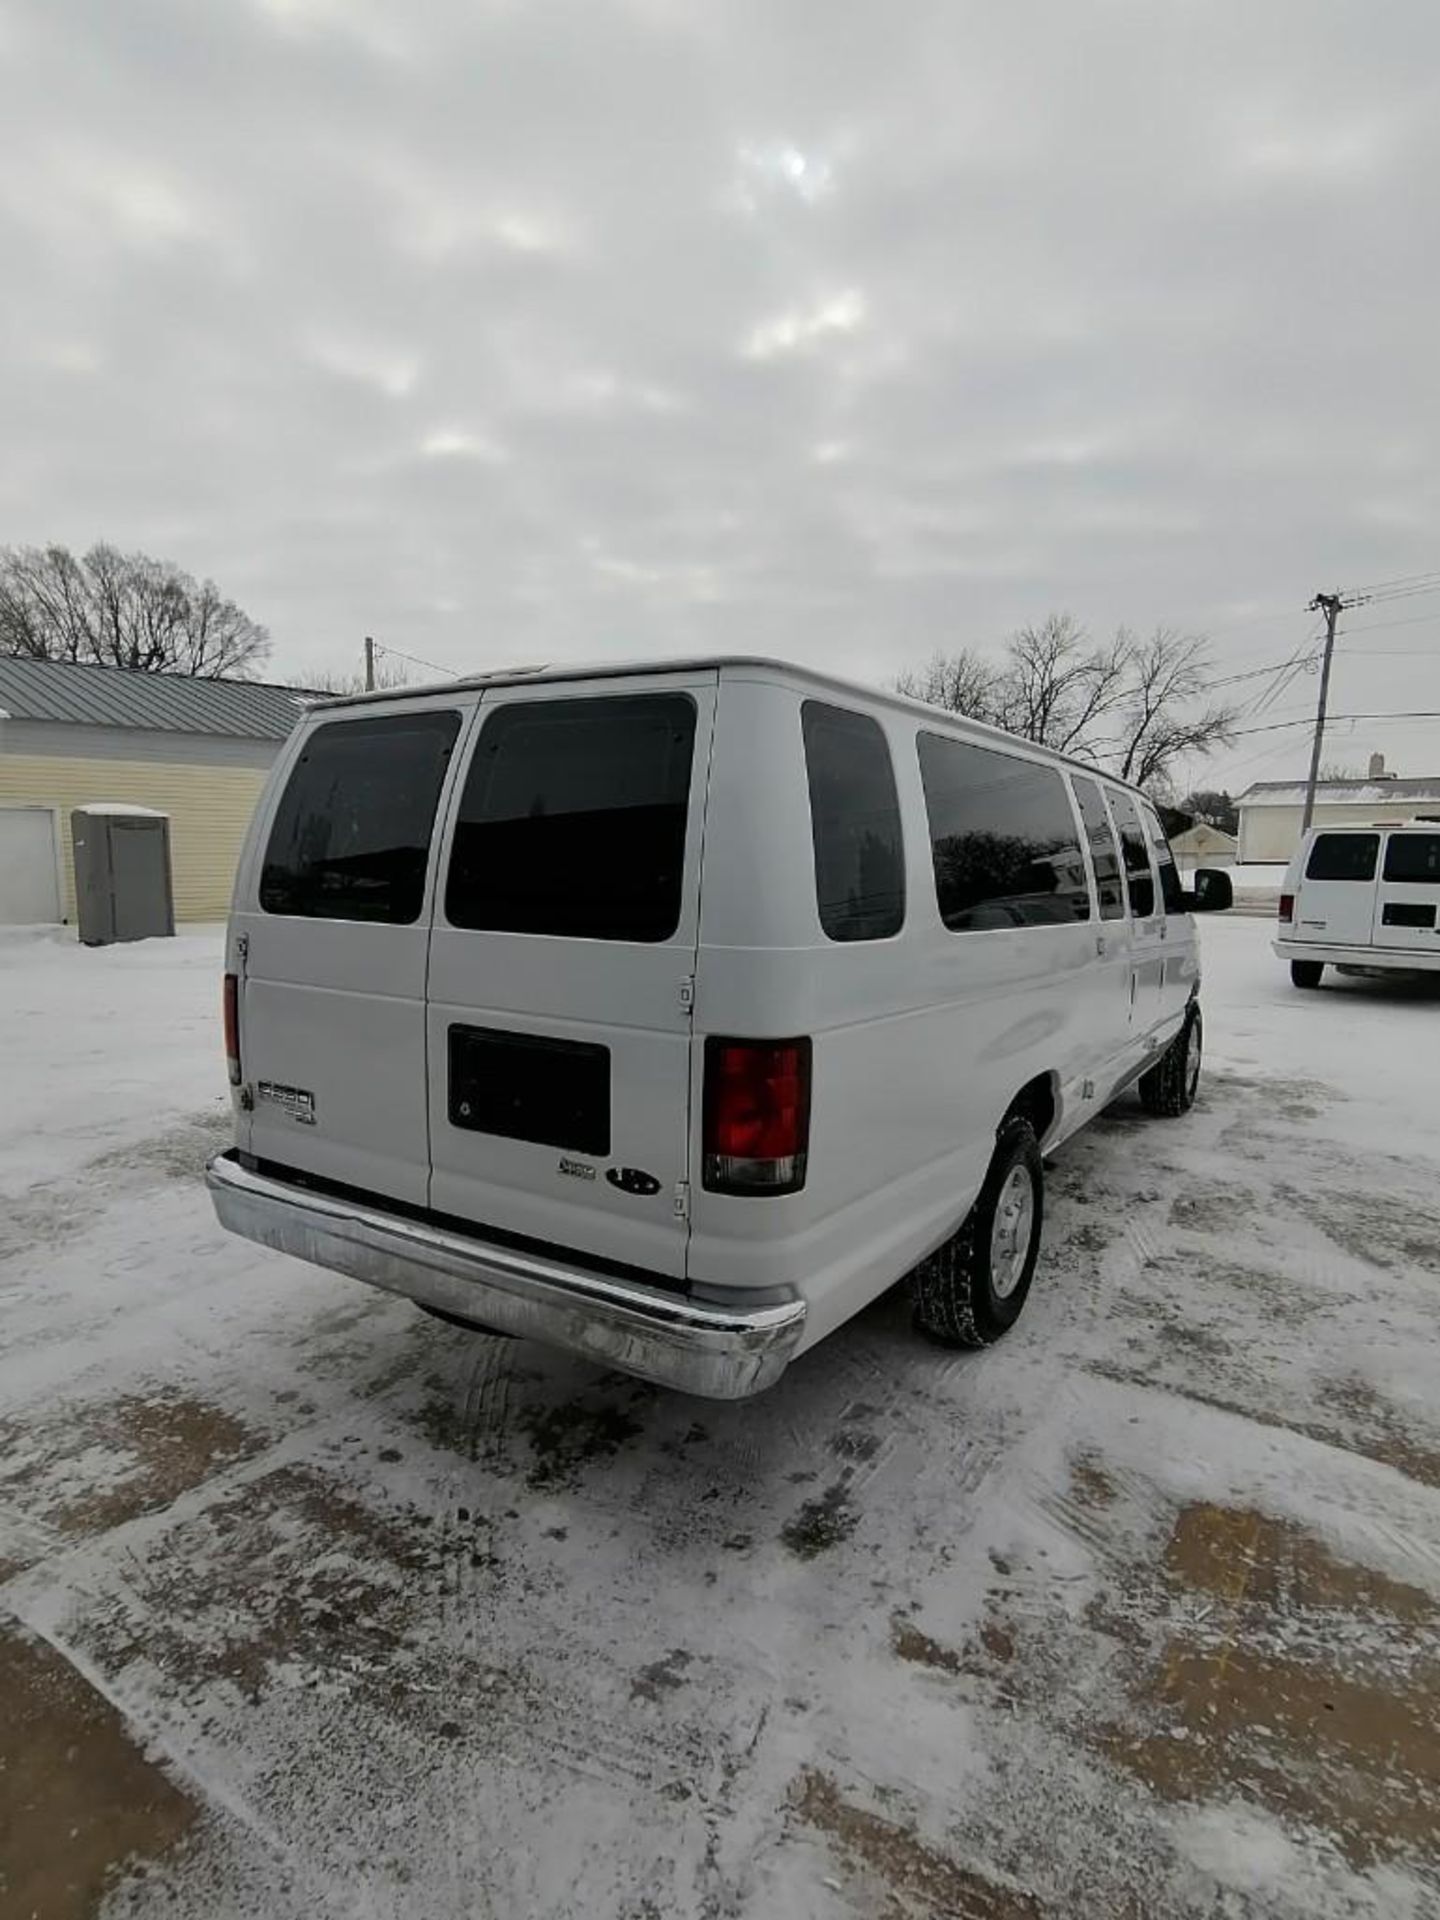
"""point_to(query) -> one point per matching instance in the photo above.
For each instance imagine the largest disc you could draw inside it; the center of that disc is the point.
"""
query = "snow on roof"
(72, 694)
(1341, 793)
(121, 809)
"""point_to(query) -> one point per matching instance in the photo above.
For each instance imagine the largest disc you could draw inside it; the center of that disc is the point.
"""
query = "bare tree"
(1215, 808)
(1160, 722)
(387, 678)
(960, 682)
(1059, 685)
(123, 610)
(1134, 706)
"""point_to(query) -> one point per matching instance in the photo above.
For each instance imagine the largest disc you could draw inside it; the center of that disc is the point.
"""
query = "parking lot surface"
(310, 1605)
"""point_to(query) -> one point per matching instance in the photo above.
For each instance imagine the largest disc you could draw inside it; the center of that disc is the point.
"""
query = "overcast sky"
(533, 331)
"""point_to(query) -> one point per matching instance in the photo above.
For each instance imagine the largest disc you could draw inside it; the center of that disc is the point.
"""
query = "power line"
(1414, 581)
(1296, 664)
(1410, 620)
(1337, 719)
(429, 665)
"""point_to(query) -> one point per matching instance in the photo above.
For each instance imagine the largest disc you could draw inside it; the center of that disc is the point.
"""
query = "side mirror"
(1213, 891)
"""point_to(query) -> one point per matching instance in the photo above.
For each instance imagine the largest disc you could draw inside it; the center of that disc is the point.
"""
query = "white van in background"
(1362, 900)
(673, 1013)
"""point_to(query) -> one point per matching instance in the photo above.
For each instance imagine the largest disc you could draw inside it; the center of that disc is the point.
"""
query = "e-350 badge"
(298, 1102)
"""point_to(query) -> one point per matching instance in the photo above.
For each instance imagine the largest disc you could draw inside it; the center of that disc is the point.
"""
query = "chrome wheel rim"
(1192, 1060)
(1011, 1231)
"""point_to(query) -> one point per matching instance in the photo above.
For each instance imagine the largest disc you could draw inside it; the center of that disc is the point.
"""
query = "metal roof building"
(72, 736)
(56, 690)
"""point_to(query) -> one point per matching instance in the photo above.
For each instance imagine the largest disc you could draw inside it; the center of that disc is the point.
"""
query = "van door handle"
(1101, 946)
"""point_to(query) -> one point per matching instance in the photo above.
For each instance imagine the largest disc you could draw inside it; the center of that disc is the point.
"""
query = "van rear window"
(573, 819)
(1414, 857)
(1003, 838)
(1343, 856)
(854, 824)
(351, 838)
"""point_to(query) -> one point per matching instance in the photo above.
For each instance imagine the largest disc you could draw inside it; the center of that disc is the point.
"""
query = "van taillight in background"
(232, 1027)
(757, 1115)
(1287, 906)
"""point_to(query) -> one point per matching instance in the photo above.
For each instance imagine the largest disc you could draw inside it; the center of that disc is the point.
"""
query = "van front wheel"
(972, 1289)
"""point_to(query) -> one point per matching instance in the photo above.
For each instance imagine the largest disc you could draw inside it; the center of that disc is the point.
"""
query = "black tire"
(955, 1291)
(1169, 1088)
(1306, 973)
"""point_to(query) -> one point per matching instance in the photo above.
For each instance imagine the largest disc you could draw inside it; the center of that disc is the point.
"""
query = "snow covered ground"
(312, 1606)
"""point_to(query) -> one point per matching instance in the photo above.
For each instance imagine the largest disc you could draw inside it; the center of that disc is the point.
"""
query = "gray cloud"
(844, 331)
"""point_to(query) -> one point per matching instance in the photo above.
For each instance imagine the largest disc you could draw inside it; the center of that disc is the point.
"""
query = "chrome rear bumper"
(1363, 959)
(720, 1352)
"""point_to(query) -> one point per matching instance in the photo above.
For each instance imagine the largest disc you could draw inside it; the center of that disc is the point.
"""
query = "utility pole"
(1329, 604)
(370, 664)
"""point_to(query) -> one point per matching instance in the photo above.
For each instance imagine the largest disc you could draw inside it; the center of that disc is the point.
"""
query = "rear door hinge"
(242, 947)
(682, 1199)
(687, 992)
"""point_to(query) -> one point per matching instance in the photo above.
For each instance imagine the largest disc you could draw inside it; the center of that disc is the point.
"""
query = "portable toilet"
(122, 873)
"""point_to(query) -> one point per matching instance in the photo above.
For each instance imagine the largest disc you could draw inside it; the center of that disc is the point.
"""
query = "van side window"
(1104, 852)
(1003, 839)
(1172, 892)
(1343, 856)
(1414, 857)
(573, 819)
(854, 824)
(1138, 877)
(351, 838)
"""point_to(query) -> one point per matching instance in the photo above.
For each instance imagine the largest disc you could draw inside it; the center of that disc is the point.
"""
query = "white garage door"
(29, 888)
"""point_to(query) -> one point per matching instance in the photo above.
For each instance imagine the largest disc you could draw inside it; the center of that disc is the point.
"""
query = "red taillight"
(757, 1115)
(1287, 906)
(232, 1027)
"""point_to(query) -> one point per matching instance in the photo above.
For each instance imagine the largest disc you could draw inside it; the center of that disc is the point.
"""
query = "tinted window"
(1003, 837)
(1343, 856)
(1413, 856)
(1172, 893)
(573, 819)
(1136, 855)
(855, 825)
(352, 833)
(1103, 850)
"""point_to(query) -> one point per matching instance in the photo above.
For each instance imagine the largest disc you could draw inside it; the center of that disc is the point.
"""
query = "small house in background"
(1204, 846)
(74, 736)
(1271, 811)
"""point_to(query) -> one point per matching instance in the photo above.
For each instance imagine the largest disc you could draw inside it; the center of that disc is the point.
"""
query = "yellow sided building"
(74, 736)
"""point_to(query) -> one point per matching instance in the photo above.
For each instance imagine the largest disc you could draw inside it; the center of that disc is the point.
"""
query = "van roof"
(713, 662)
(1421, 823)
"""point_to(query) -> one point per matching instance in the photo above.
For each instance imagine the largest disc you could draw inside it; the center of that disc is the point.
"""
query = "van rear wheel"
(972, 1289)
(1306, 973)
(1170, 1087)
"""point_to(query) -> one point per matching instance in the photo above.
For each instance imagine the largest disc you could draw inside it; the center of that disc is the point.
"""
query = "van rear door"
(562, 964)
(1409, 893)
(329, 940)
(1335, 905)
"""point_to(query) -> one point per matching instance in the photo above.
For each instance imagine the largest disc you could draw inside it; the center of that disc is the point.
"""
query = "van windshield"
(573, 819)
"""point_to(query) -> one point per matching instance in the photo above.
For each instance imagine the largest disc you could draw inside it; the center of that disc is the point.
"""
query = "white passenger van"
(1362, 900)
(672, 1013)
